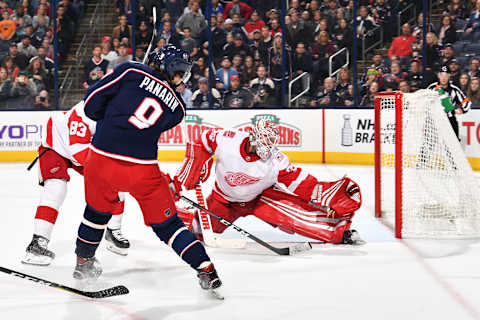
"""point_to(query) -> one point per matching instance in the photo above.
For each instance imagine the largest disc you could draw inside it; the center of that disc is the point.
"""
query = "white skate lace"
(118, 235)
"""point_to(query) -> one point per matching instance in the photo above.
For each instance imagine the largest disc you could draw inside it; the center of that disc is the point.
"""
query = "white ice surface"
(384, 279)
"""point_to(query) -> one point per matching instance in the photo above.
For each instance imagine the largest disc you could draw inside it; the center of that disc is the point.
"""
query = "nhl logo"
(167, 213)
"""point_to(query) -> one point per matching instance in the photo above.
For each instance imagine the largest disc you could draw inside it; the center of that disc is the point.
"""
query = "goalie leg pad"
(174, 233)
(230, 211)
(91, 231)
(343, 195)
(291, 214)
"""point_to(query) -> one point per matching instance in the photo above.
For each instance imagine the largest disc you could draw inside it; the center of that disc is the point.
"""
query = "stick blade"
(110, 292)
(299, 248)
(218, 242)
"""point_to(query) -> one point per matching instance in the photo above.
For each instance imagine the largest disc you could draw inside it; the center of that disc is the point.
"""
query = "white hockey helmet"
(264, 136)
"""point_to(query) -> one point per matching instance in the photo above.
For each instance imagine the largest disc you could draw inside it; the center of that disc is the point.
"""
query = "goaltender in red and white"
(252, 177)
(65, 140)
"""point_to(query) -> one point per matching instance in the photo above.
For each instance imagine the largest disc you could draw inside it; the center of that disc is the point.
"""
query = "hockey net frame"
(423, 169)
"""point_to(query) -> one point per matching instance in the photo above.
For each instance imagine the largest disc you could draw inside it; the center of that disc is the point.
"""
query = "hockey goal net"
(424, 185)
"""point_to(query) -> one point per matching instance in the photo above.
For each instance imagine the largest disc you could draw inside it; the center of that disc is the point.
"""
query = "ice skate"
(209, 280)
(352, 237)
(87, 268)
(37, 252)
(116, 242)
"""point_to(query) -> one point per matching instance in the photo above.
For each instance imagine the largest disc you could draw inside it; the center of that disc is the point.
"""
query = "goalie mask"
(264, 136)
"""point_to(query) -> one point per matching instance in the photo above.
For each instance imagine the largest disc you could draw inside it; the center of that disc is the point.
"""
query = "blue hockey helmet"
(172, 61)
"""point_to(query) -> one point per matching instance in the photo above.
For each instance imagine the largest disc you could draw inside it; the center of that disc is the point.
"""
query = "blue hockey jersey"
(132, 105)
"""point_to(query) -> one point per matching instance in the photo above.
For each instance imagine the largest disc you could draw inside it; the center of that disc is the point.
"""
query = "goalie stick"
(281, 251)
(110, 292)
(154, 34)
(210, 238)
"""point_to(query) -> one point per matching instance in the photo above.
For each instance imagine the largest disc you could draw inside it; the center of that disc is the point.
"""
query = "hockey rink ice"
(384, 279)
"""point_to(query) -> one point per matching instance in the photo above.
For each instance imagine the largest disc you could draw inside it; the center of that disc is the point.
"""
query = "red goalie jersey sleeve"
(198, 160)
(297, 180)
(69, 134)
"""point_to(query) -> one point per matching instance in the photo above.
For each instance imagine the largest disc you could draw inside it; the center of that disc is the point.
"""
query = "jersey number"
(139, 118)
(78, 129)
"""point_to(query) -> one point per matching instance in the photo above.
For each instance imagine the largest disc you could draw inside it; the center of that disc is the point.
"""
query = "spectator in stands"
(193, 20)
(23, 91)
(224, 74)
(47, 62)
(454, 70)
(7, 27)
(185, 93)
(473, 92)
(26, 48)
(373, 75)
(248, 72)
(415, 75)
(107, 52)
(237, 6)
(457, 10)
(255, 23)
(418, 27)
(255, 45)
(65, 29)
(143, 36)
(198, 69)
(473, 70)
(402, 45)
(95, 68)
(11, 67)
(237, 64)
(446, 32)
(202, 98)
(20, 13)
(239, 47)
(123, 30)
(343, 35)
(5, 84)
(365, 23)
(321, 51)
(403, 86)
(4, 7)
(368, 98)
(302, 60)
(433, 52)
(382, 15)
(20, 28)
(275, 65)
(39, 76)
(392, 80)
(219, 38)
(262, 89)
(473, 25)
(237, 27)
(296, 31)
(35, 37)
(275, 27)
(18, 58)
(41, 21)
(217, 8)
(447, 55)
(464, 82)
(377, 64)
(344, 81)
(327, 96)
(237, 96)
(42, 101)
(123, 56)
(265, 43)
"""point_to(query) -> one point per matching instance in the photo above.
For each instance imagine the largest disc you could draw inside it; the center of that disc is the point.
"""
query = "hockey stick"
(281, 251)
(154, 34)
(210, 238)
(110, 292)
(36, 159)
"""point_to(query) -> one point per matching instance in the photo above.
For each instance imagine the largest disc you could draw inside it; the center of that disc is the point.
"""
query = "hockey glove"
(175, 187)
(342, 196)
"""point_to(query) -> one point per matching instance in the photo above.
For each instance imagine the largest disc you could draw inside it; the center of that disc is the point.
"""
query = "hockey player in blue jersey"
(133, 105)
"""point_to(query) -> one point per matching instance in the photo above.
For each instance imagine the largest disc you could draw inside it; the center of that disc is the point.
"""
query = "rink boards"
(337, 135)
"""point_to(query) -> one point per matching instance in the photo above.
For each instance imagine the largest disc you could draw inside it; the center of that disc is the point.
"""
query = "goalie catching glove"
(196, 166)
(342, 196)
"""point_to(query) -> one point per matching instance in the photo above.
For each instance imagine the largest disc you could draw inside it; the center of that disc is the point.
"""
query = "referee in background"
(454, 101)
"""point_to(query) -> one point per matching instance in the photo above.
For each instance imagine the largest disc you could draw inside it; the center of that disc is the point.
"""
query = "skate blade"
(36, 260)
(120, 251)
(215, 293)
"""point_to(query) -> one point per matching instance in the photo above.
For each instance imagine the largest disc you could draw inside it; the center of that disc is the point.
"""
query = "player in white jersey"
(65, 140)
(253, 177)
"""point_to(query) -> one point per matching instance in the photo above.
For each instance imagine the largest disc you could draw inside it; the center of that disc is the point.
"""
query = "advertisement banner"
(21, 131)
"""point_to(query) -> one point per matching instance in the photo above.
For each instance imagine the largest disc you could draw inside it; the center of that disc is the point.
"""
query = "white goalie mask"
(264, 136)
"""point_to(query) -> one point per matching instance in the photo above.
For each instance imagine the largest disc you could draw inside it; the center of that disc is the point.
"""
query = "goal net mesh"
(440, 195)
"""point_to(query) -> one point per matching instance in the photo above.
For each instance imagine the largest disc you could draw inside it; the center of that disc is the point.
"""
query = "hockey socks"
(45, 219)
(174, 233)
(90, 232)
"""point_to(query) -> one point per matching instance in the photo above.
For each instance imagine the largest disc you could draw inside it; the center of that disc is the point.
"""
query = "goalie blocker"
(248, 185)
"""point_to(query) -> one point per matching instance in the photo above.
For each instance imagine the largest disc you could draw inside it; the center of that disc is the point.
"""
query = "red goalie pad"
(196, 166)
(342, 195)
